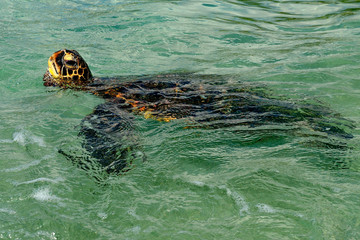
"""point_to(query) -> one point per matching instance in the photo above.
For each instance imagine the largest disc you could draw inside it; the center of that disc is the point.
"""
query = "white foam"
(239, 201)
(47, 235)
(198, 183)
(19, 137)
(6, 210)
(135, 229)
(44, 195)
(132, 213)
(102, 215)
(24, 137)
(265, 208)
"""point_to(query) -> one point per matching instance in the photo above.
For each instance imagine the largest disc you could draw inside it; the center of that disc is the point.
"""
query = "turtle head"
(67, 69)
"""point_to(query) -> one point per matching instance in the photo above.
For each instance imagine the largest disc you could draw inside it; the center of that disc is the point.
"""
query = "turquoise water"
(196, 184)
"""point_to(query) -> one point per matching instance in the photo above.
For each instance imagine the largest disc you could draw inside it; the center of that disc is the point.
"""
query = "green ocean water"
(196, 183)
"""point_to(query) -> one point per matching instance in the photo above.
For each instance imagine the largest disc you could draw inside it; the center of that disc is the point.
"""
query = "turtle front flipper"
(109, 137)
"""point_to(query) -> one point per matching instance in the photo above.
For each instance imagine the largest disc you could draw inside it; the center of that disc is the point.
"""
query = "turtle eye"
(71, 63)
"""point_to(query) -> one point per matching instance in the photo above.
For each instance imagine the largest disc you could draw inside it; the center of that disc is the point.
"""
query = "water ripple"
(22, 167)
(41, 179)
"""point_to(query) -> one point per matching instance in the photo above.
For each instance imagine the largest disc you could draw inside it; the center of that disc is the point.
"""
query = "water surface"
(196, 184)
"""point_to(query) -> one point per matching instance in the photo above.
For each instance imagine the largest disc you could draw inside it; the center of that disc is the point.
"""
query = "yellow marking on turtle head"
(54, 68)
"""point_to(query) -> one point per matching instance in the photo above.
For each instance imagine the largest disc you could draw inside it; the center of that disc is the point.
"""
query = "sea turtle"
(166, 97)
